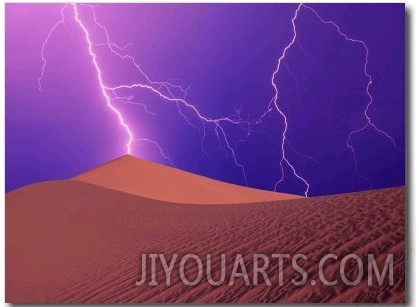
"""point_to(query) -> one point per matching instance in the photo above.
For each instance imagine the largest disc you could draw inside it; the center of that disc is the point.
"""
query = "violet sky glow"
(224, 66)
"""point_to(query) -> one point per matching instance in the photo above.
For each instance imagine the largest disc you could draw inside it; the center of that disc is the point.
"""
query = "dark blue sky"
(224, 55)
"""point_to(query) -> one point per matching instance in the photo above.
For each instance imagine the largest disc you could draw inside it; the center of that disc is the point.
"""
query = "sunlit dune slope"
(151, 180)
(70, 241)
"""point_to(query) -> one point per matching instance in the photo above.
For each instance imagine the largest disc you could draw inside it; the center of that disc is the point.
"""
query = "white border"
(2, 132)
(412, 269)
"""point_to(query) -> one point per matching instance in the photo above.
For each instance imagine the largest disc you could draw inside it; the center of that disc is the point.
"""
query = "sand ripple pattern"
(70, 241)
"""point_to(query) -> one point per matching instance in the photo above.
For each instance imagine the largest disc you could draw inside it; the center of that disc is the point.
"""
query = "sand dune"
(70, 241)
(151, 180)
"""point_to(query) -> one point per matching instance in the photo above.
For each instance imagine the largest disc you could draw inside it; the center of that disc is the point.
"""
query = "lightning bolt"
(284, 161)
(44, 61)
(100, 81)
(156, 145)
(368, 121)
(274, 104)
(171, 93)
(164, 90)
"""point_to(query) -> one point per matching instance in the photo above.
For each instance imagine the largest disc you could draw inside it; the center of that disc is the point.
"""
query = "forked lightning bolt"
(275, 106)
(44, 61)
(274, 103)
(368, 120)
(99, 78)
(163, 90)
(171, 93)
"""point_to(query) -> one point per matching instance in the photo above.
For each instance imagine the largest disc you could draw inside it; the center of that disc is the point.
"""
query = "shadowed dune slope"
(70, 241)
(151, 180)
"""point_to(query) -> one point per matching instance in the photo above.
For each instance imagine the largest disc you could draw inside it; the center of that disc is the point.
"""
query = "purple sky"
(224, 56)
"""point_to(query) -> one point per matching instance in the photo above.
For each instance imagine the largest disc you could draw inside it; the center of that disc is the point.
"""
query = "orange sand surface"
(151, 180)
(72, 241)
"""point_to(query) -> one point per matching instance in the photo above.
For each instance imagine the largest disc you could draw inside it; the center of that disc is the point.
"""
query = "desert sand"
(146, 179)
(73, 241)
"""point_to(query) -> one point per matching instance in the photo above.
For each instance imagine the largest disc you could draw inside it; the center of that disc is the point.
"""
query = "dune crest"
(151, 180)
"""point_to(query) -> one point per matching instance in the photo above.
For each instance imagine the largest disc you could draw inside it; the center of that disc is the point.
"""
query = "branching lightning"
(274, 104)
(171, 93)
(163, 90)
(102, 86)
(369, 122)
(44, 61)
(155, 144)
